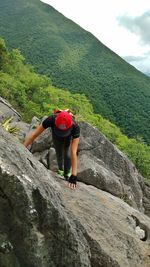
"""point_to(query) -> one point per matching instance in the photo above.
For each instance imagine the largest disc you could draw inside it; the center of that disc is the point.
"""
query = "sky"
(121, 25)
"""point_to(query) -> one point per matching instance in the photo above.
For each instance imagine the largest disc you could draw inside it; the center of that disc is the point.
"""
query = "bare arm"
(74, 147)
(30, 138)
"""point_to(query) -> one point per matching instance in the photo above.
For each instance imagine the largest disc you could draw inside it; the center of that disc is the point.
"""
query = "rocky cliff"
(100, 164)
(43, 223)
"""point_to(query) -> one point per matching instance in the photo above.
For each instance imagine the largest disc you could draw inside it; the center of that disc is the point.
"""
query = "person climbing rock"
(65, 136)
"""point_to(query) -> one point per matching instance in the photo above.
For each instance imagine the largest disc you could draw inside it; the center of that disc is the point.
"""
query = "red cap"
(63, 121)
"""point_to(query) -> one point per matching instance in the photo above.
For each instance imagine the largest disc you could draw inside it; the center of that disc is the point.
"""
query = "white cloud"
(119, 24)
(141, 63)
(139, 25)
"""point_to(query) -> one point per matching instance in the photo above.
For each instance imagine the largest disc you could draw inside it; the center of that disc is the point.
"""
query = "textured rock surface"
(102, 165)
(146, 198)
(6, 111)
(93, 171)
(43, 223)
(106, 159)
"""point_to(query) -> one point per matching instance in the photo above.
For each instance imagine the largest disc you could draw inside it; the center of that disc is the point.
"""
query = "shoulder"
(49, 121)
(75, 130)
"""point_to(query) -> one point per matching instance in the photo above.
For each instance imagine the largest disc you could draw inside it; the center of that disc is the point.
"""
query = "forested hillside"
(33, 95)
(76, 60)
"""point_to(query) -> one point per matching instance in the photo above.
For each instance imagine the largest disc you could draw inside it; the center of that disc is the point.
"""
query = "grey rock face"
(146, 198)
(43, 223)
(6, 111)
(35, 222)
(93, 171)
(42, 142)
(22, 127)
(101, 164)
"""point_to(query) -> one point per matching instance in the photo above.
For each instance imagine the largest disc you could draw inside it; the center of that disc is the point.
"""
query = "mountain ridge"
(78, 61)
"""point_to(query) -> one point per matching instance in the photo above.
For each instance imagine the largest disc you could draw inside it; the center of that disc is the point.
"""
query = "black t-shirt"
(50, 122)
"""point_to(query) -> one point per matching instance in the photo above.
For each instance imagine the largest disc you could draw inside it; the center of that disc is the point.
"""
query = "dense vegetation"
(33, 95)
(76, 60)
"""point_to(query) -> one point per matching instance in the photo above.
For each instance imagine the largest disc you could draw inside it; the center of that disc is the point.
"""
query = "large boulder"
(43, 223)
(7, 111)
(103, 165)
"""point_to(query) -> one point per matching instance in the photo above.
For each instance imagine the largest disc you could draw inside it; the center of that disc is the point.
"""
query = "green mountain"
(33, 95)
(76, 60)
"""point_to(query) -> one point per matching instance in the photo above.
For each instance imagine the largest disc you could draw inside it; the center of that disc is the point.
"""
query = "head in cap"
(63, 124)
